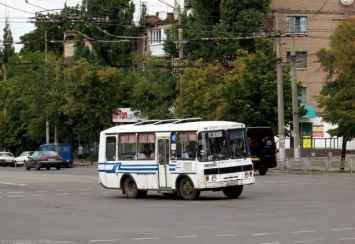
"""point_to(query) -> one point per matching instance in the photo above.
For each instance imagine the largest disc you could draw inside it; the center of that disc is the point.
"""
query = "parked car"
(43, 159)
(7, 159)
(20, 160)
(262, 148)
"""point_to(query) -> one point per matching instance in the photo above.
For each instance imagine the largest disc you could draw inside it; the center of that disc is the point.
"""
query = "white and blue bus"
(178, 157)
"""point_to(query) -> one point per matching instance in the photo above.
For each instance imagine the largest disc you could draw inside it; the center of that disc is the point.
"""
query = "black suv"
(262, 148)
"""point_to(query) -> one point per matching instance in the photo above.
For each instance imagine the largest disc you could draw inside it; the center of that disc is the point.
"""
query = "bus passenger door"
(163, 163)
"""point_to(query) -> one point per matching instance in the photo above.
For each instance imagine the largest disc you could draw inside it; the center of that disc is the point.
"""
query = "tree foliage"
(246, 93)
(114, 20)
(215, 29)
(153, 90)
(338, 95)
(8, 48)
(53, 26)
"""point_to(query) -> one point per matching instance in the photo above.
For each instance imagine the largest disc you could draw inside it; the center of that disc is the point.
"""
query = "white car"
(22, 159)
(7, 159)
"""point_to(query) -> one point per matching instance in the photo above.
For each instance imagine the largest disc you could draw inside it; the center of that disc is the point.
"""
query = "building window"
(301, 59)
(135, 68)
(155, 36)
(303, 95)
(297, 24)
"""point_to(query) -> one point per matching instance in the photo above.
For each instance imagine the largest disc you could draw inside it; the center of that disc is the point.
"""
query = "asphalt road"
(69, 206)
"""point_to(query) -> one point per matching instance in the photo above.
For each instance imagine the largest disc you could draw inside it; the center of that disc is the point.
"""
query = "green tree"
(338, 94)
(8, 42)
(114, 19)
(92, 94)
(153, 90)
(54, 25)
(247, 92)
(27, 97)
(215, 29)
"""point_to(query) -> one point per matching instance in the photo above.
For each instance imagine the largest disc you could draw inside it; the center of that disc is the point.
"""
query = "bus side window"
(110, 148)
(127, 146)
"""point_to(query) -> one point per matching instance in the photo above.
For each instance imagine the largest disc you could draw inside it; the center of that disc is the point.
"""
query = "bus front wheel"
(130, 188)
(233, 191)
(187, 190)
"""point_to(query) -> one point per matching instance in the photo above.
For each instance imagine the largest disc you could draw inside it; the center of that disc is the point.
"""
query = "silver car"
(21, 160)
(7, 159)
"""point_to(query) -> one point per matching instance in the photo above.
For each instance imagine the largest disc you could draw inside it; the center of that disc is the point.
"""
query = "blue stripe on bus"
(120, 167)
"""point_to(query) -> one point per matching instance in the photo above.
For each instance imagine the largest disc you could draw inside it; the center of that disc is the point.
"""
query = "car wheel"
(262, 171)
(27, 167)
(48, 168)
(58, 167)
(38, 165)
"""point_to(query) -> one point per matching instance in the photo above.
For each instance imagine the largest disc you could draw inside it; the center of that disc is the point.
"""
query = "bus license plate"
(232, 183)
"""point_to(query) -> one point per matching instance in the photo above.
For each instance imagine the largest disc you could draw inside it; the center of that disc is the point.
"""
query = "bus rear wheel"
(233, 191)
(130, 188)
(187, 190)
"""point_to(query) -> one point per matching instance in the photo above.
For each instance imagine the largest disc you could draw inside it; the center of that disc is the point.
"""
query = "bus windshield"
(222, 144)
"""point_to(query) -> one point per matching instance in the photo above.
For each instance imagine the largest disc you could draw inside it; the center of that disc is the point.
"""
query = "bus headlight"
(214, 178)
(248, 174)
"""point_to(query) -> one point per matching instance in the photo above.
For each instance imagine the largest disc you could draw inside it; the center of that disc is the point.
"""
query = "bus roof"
(192, 124)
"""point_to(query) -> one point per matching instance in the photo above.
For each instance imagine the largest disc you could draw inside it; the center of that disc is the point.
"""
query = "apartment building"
(312, 22)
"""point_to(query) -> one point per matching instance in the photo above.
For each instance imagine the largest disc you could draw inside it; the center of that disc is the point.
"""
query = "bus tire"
(262, 171)
(187, 189)
(233, 192)
(130, 187)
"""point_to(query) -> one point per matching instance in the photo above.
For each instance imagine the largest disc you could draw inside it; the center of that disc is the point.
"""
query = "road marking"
(39, 195)
(146, 238)
(15, 192)
(306, 241)
(112, 240)
(12, 184)
(346, 239)
(226, 235)
(15, 196)
(177, 237)
(302, 231)
(343, 229)
(61, 242)
(84, 189)
(264, 234)
(61, 194)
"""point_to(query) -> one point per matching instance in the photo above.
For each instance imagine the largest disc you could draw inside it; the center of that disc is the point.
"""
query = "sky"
(19, 13)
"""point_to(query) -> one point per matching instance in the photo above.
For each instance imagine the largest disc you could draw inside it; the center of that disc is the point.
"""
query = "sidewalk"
(85, 163)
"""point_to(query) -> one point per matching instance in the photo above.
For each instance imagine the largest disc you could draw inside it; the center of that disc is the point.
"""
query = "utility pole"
(181, 45)
(46, 79)
(295, 132)
(280, 93)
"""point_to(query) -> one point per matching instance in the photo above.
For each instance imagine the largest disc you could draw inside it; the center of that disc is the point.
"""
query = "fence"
(318, 164)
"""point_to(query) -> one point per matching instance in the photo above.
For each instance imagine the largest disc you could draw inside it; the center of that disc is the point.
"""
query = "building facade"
(312, 23)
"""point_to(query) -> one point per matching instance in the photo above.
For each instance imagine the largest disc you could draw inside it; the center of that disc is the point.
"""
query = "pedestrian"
(80, 152)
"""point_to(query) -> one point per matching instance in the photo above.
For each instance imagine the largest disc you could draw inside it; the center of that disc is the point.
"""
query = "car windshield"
(6, 154)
